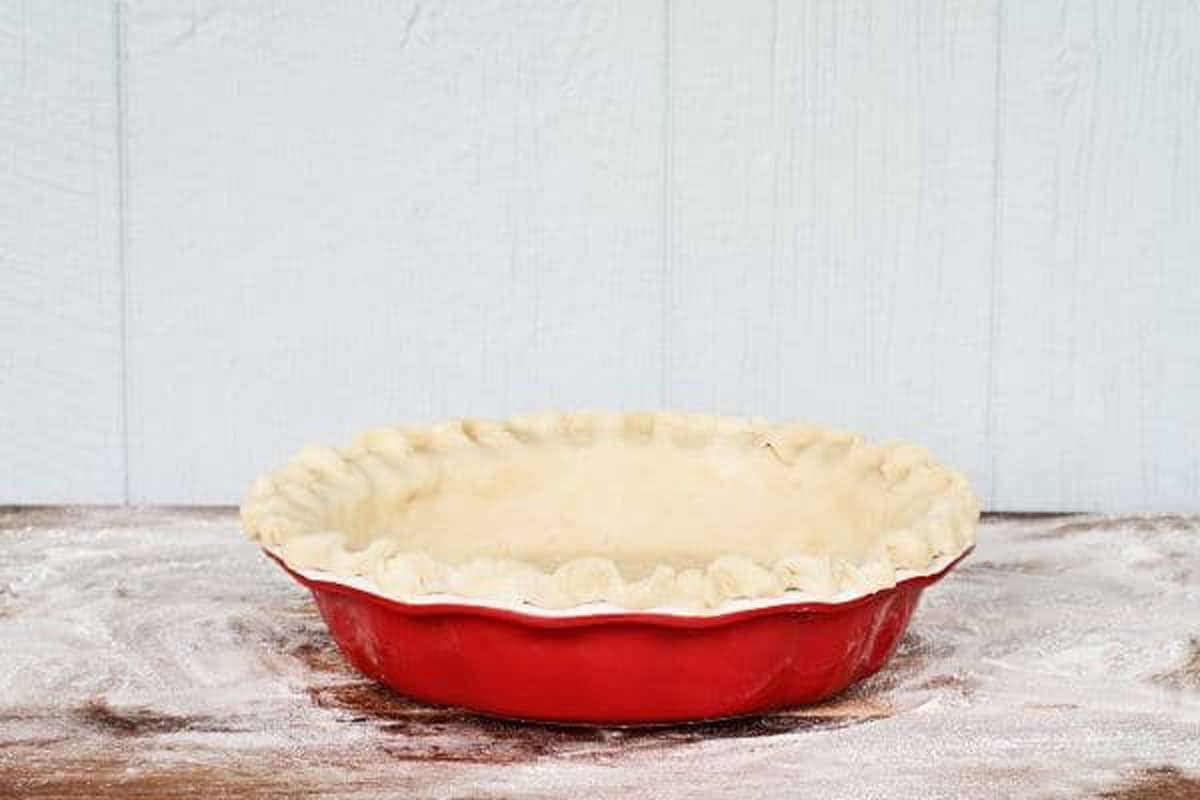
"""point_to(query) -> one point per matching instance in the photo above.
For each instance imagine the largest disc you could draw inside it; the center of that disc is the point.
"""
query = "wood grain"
(455, 210)
(831, 215)
(230, 229)
(60, 283)
(156, 653)
(1097, 369)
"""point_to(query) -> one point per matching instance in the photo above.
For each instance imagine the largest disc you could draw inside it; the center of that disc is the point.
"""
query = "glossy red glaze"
(623, 668)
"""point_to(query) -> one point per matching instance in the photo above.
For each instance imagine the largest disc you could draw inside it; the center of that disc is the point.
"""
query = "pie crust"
(658, 510)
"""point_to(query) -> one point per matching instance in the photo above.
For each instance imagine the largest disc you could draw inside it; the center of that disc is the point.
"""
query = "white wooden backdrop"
(231, 228)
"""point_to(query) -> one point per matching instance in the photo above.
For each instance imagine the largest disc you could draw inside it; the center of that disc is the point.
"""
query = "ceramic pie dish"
(615, 568)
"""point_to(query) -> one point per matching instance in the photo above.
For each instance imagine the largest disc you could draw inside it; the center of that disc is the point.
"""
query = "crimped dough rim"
(304, 513)
(603, 609)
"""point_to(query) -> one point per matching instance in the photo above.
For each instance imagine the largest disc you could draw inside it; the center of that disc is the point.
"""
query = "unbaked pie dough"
(637, 511)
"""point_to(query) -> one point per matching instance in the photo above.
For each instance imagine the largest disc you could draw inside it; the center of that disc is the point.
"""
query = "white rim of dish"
(604, 608)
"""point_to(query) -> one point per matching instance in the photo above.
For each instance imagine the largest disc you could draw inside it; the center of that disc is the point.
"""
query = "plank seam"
(120, 55)
(664, 390)
(995, 262)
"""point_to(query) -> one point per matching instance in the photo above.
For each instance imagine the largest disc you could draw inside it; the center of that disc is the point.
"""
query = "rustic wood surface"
(155, 653)
(61, 283)
(229, 229)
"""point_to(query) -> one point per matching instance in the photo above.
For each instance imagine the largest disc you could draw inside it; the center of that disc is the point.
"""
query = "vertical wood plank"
(357, 213)
(831, 196)
(1097, 371)
(723, 323)
(60, 298)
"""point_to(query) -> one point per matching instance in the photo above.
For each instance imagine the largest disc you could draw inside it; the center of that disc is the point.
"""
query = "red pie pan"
(625, 668)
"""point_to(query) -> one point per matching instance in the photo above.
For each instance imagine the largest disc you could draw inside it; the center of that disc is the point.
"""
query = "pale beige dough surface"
(638, 510)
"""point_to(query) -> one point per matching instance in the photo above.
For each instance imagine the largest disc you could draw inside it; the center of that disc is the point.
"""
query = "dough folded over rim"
(639, 510)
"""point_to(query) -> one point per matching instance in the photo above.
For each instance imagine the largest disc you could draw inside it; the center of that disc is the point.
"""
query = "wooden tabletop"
(156, 653)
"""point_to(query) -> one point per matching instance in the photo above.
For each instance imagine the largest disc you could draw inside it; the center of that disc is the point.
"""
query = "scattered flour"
(1055, 660)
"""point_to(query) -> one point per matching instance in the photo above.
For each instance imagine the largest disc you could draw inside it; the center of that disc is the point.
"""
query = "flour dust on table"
(154, 653)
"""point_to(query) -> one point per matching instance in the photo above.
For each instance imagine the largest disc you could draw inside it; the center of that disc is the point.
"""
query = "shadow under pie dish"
(615, 568)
